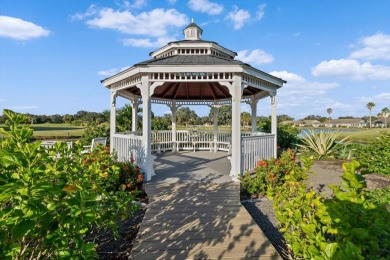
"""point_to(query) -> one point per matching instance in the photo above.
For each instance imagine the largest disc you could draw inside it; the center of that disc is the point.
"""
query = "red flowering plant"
(109, 173)
(131, 178)
(273, 173)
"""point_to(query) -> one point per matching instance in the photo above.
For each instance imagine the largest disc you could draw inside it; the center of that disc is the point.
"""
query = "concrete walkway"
(195, 213)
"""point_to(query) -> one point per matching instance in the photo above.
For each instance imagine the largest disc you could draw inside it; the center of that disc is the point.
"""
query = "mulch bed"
(110, 248)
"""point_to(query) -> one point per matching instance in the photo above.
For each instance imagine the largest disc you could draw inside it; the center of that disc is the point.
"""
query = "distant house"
(303, 123)
(350, 122)
(380, 122)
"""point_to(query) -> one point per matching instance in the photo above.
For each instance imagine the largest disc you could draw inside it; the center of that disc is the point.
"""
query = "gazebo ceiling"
(193, 91)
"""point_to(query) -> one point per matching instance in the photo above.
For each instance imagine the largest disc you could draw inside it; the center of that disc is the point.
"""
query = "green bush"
(322, 144)
(375, 157)
(273, 173)
(348, 152)
(379, 196)
(49, 199)
(348, 226)
(93, 131)
(288, 136)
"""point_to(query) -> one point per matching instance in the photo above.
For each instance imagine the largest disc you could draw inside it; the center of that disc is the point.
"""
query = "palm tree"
(329, 111)
(370, 106)
(385, 113)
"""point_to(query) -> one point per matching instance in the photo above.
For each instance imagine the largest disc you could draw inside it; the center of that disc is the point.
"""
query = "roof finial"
(192, 20)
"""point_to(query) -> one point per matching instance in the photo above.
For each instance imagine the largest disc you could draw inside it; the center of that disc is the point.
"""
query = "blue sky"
(334, 54)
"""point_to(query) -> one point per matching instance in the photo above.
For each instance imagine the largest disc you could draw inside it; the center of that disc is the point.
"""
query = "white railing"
(162, 141)
(255, 148)
(50, 144)
(128, 147)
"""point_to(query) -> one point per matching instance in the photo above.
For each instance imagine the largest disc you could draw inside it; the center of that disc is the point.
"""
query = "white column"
(112, 119)
(173, 108)
(254, 114)
(134, 117)
(147, 165)
(274, 121)
(215, 114)
(236, 93)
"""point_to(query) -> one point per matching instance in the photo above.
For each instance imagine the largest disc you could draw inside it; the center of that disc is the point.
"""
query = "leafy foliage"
(273, 173)
(351, 225)
(50, 198)
(375, 157)
(93, 131)
(322, 144)
(288, 136)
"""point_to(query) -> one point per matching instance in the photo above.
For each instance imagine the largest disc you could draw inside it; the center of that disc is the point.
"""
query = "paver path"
(195, 213)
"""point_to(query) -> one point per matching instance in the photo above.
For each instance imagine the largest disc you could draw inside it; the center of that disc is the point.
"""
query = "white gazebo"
(193, 72)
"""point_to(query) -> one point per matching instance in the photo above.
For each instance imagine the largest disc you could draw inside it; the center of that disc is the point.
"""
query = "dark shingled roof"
(191, 60)
(193, 25)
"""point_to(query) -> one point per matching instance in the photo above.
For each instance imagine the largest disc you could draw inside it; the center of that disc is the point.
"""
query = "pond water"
(327, 130)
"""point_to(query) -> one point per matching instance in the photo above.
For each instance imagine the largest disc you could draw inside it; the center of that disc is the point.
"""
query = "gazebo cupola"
(192, 32)
(193, 71)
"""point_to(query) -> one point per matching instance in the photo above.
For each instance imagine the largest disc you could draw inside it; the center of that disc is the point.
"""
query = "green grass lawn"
(365, 135)
(55, 130)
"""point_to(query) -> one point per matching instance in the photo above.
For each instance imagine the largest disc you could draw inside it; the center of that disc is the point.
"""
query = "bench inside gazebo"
(193, 72)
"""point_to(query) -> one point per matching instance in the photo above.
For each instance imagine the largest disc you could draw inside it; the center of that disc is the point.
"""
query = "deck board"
(196, 214)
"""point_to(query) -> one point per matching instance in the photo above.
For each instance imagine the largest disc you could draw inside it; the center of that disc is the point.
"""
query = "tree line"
(184, 116)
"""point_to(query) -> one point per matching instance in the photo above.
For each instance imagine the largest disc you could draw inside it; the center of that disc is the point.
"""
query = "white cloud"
(288, 76)
(260, 11)
(383, 96)
(19, 29)
(375, 47)
(24, 108)
(255, 57)
(297, 87)
(147, 42)
(239, 17)
(91, 11)
(205, 6)
(154, 23)
(111, 72)
(136, 4)
(380, 100)
(351, 69)
(171, 1)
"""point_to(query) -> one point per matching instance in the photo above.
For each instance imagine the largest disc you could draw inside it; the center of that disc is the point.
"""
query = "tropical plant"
(322, 144)
(385, 113)
(370, 106)
(329, 111)
(246, 119)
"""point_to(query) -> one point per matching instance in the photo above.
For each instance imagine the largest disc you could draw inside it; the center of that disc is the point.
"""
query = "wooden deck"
(195, 213)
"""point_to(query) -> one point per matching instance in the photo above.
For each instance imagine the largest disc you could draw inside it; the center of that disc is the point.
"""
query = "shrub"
(288, 136)
(93, 131)
(322, 144)
(50, 198)
(379, 196)
(375, 157)
(348, 226)
(273, 173)
(348, 152)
